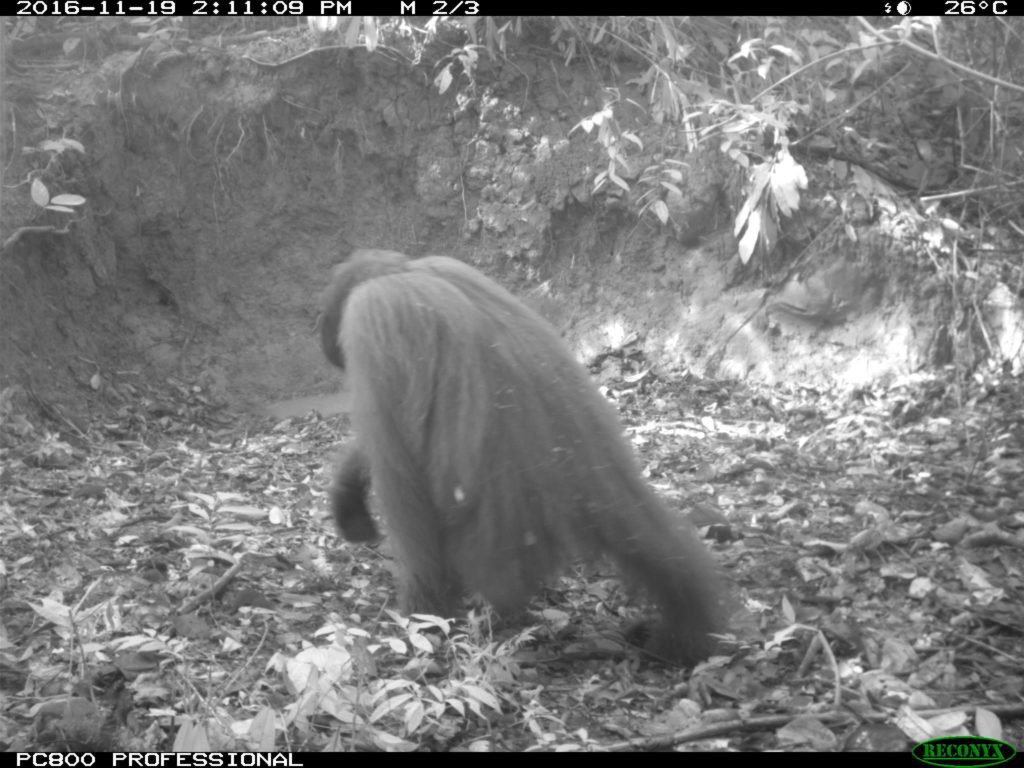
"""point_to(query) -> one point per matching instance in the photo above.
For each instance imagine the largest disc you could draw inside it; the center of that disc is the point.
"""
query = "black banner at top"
(230, 8)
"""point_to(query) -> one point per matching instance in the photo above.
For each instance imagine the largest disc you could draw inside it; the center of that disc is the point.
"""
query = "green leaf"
(67, 199)
(191, 737)
(748, 242)
(788, 177)
(630, 136)
(263, 730)
(53, 611)
(389, 743)
(40, 194)
(787, 52)
(443, 81)
(388, 706)
(421, 643)
(482, 695)
(619, 182)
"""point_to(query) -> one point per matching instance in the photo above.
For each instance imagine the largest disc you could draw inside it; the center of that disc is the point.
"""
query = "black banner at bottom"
(161, 760)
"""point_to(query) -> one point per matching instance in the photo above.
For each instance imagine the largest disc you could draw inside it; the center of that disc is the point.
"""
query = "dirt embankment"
(220, 190)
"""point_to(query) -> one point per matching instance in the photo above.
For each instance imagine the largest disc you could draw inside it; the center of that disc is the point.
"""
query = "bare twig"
(208, 594)
(17, 234)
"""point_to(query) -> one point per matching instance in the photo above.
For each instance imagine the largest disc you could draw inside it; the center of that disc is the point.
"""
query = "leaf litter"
(172, 581)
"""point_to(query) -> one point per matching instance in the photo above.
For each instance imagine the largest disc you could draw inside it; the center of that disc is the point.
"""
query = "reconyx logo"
(963, 752)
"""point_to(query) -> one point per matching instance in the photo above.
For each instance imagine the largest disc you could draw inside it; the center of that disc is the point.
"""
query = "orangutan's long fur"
(494, 458)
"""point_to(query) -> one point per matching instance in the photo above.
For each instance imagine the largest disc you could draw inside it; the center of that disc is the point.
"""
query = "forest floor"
(172, 581)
